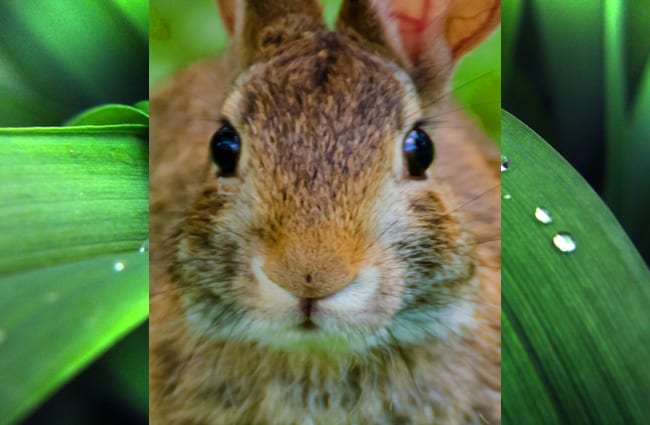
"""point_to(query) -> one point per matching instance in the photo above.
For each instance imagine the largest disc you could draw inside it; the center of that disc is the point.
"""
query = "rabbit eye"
(225, 146)
(418, 150)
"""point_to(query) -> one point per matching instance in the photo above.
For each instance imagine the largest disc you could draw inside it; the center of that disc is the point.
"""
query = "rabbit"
(325, 223)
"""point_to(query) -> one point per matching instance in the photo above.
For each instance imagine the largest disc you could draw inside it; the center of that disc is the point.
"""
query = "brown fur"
(321, 195)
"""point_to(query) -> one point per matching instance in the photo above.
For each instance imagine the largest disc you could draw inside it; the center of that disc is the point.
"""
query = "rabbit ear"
(227, 13)
(419, 28)
(372, 20)
(247, 20)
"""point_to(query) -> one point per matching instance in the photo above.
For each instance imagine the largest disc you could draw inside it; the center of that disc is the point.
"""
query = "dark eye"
(225, 146)
(418, 151)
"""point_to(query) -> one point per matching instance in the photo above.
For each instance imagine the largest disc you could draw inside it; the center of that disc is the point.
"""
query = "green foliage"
(575, 332)
(579, 74)
(73, 200)
(576, 326)
(137, 116)
(73, 218)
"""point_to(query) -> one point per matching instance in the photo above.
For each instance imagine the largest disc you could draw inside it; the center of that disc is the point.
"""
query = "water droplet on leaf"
(505, 163)
(118, 266)
(543, 215)
(564, 242)
(144, 247)
(507, 196)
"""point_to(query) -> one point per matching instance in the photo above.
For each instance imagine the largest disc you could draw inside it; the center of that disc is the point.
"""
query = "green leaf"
(576, 328)
(112, 114)
(143, 105)
(73, 216)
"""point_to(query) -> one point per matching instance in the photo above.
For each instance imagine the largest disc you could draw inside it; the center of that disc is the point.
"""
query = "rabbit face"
(320, 237)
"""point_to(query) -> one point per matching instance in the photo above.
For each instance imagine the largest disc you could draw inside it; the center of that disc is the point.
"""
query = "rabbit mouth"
(308, 325)
(307, 306)
(308, 311)
(295, 317)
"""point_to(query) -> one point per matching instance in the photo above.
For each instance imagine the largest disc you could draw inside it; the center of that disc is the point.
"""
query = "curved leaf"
(143, 105)
(112, 114)
(73, 216)
(576, 325)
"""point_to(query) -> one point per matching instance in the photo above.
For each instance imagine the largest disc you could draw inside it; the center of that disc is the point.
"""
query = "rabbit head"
(320, 222)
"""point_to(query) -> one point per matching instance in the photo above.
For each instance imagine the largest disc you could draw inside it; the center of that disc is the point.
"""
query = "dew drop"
(543, 215)
(118, 266)
(507, 196)
(564, 242)
(51, 297)
(3, 336)
(144, 247)
(505, 163)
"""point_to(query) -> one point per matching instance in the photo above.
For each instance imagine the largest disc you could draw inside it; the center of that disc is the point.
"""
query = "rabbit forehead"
(324, 106)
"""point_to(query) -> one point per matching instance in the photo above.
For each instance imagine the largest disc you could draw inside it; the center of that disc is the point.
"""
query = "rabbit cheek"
(354, 304)
(270, 300)
(440, 280)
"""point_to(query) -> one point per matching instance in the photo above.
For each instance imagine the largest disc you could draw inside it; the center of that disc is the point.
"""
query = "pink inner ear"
(419, 22)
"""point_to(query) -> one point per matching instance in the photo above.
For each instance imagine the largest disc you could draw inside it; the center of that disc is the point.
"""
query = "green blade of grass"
(576, 332)
(73, 216)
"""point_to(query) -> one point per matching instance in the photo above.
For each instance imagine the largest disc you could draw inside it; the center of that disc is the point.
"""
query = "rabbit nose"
(310, 276)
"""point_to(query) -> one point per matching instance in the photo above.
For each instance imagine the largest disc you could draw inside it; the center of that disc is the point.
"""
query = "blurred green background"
(578, 74)
(58, 58)
(182, 32)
